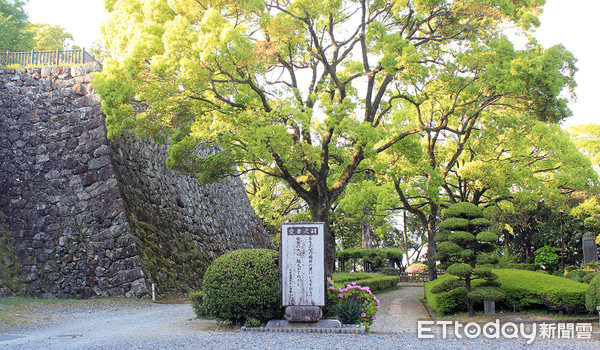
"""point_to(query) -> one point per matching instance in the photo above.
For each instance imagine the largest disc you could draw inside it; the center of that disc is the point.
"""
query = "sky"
(573, 23)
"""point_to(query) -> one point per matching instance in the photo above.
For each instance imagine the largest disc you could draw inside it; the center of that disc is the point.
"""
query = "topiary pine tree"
(463, 242)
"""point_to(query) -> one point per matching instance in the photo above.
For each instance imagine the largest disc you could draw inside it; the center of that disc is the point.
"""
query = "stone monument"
(590, 250)
(303, 285)
(303, 270)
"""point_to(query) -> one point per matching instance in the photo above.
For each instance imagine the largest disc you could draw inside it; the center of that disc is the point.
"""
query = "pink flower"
(340, 295)
(353, 283)
(363, 315)
(373, 317)
(332, 288)
(329, 278)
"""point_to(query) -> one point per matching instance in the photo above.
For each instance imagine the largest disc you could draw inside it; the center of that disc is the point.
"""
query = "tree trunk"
(367, 241)
(405, 237)
(319, 212)
(431, 244)
(469, 300)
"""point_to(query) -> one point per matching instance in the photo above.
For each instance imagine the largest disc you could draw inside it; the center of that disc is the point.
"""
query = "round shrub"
(592, 295)
(480, 222)
(487, 293)
(487, 236)
(243, 284)
(461, 237)
(463, 210)
(589, 277)
(448, 285)
(454, 224)
(460, 269)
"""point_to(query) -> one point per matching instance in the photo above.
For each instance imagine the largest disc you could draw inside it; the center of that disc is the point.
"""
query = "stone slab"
(323, 326)
(303, 313)
(326, 323)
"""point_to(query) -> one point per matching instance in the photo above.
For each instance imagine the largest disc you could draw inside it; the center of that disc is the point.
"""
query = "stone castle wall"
(93, 217)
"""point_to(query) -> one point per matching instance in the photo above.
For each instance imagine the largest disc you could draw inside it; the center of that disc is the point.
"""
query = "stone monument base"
(322, 326)
(308, 313)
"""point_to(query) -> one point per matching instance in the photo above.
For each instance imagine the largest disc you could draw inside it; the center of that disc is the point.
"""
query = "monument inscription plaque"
(303, 264)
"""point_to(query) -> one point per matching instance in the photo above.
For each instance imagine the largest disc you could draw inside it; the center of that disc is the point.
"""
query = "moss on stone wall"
(10, 278)
(163, 256)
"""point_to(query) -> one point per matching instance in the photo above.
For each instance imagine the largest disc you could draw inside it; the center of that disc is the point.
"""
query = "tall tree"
(299, 90)
(482, 97)
(14, 33)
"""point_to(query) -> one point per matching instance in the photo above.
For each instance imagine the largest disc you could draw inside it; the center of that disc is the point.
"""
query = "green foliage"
(576, 275)
(481, 293)
(487, 236)
(376, 282)
(533, 289)
(589, 277)
(592, 295)
(377, 257)
(348, 311)
(386, 253)
(547, 256)
(464, 210)
(253, 322)
(10, 268)
(165, 252)
(460, 269)
(196, 299)
(212, 81)
(14, 33)
(50, 37)
(522, 290)
(464, 248)
(462, 237)
(243, 284)
(480, 222)
(446, 302)
(454, 224)
(447, 285)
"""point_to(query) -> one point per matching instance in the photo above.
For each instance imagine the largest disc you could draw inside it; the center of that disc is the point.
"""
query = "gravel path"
(399, 311)
(144, 325)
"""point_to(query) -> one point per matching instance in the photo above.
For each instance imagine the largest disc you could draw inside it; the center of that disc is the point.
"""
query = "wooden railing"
(45, 58)
(417, 276)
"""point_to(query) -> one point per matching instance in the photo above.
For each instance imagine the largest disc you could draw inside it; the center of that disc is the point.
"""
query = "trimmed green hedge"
(376, 282)
(449, 302)
(366, 253)
(523, 289)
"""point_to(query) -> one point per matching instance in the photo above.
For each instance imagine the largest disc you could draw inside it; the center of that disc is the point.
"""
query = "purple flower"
(340, 295)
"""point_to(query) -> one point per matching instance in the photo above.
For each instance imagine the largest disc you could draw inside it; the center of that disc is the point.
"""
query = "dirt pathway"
(400, 310)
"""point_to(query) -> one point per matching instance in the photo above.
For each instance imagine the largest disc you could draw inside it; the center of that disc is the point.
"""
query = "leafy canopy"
(311, 92)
